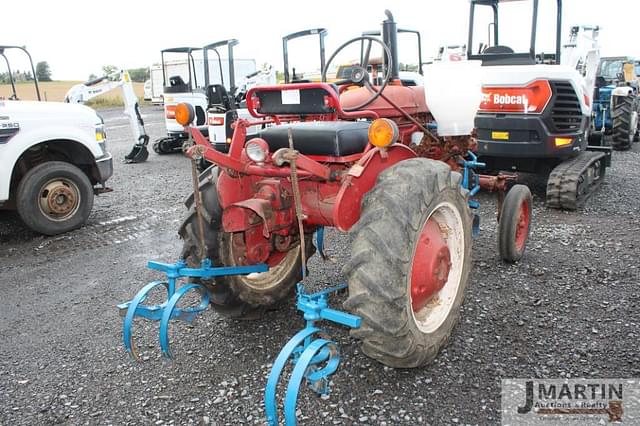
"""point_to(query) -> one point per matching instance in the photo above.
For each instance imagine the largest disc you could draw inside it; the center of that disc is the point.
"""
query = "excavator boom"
(81, 93)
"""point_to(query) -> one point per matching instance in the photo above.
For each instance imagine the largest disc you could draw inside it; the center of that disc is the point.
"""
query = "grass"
(54, 91)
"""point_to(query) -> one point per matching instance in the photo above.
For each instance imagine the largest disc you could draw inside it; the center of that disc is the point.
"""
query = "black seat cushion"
(217, 95)
(330, 138)
(497, 50)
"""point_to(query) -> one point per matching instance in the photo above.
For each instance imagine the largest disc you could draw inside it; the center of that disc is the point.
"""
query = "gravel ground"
(569, 309)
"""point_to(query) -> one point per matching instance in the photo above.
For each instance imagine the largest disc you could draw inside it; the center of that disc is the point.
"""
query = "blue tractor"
(616, 102)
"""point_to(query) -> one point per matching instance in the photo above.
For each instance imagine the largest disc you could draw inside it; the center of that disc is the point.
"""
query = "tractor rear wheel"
(410, 262)
(240, 297)
(625, 122)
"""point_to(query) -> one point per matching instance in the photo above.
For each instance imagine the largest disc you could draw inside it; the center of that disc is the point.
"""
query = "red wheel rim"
(431, 265)
(522, 226)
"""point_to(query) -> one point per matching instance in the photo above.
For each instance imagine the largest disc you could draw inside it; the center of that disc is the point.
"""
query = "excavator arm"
(81, 93)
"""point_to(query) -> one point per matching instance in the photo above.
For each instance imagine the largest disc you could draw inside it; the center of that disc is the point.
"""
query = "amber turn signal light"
(184, 114)
(383, 132)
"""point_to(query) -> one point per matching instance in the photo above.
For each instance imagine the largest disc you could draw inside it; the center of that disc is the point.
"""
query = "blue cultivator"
(314, 357)
(169, 309)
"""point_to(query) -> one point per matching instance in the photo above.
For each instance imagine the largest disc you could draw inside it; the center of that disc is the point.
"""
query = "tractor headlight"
(383, 132)
(257, 150)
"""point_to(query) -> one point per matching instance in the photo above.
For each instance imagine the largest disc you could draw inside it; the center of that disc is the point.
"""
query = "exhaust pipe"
(390, 38)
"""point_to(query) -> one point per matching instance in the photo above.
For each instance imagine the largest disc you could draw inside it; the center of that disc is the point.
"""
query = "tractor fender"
(361, 178)
(246, 214)
(622, 91)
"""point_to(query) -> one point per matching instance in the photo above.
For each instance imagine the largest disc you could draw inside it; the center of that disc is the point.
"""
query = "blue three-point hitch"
(314, 357)
(169, 309)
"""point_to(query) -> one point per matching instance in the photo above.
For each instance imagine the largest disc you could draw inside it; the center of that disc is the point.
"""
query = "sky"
(77, 38)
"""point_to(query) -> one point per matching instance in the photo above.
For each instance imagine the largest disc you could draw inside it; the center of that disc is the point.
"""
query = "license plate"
(502, 136)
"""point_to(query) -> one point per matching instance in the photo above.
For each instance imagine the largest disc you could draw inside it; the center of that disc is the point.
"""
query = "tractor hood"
(52, 111)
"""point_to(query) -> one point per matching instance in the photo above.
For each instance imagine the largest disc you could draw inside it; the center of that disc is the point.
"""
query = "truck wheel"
(241, 297)
(54, 197)
(410, 262)
(515, 223)
(625, 122)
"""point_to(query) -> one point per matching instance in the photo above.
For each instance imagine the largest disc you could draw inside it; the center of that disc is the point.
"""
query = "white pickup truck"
(53, 159)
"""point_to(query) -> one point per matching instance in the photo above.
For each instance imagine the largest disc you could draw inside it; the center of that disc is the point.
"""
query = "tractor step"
(169, 309)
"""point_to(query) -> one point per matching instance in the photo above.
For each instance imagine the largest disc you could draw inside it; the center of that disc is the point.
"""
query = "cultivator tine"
(136, 308)
(188, 314)
(169, 309)
(292, 348)
(314, 359)
(318, 379)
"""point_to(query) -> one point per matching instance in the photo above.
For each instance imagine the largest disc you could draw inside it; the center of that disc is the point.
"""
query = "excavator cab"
(218, 96)
(492, 53)
(536, 107)
(182, 76)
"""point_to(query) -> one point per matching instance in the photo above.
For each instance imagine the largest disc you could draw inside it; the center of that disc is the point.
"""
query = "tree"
(109, 69)
(43, 72)
(139, 74)
(92, 76)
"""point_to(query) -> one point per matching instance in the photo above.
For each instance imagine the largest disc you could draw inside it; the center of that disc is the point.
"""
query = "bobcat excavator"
(536, 109)
(81, 93)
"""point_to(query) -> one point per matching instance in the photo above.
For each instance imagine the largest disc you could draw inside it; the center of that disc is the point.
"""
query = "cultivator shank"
(314, 357)
(169, 310)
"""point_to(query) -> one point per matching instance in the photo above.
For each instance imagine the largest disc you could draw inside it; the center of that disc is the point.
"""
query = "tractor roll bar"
(214, 46)
(400, 31)
(190, 63)
(321, 32)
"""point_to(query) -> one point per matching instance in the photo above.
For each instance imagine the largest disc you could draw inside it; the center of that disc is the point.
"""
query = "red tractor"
(346, 156)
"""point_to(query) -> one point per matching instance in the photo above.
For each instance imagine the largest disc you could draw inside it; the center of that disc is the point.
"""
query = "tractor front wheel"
(240, 297)
(515, 223)
(410, 262)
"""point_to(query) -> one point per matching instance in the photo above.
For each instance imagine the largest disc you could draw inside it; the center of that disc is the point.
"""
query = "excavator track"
(573, 181)
(167, 145)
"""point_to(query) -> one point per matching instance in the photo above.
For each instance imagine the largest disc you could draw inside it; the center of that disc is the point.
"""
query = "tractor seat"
(496, 50)
(217, 95)
(328, 138)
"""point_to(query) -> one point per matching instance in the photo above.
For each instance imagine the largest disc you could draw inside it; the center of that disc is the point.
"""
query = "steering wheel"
(359, 75)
